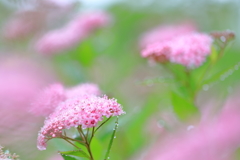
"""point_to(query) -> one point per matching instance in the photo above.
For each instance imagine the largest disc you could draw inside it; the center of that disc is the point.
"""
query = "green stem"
(111, 140)
(72, 143)
(102, 124)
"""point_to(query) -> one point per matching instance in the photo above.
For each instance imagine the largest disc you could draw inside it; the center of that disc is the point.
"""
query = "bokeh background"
(109, 57)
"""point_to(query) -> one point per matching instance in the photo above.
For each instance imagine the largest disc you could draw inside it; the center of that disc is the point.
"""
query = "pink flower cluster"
(78, 29)
(84, 111)
(46, 102)
(182, 45)
(77, 106)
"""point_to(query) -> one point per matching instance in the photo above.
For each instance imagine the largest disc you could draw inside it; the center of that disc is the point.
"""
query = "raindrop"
(115, 137)
(230, 72)
(229, 89)
(223, 39)
(205, 87)
(236, 67)
(190, 127)
(108, 157)
(222, 78)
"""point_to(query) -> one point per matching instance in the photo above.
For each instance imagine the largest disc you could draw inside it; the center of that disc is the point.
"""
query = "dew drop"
(108, 158)
(205, 87)
(223, 39)
(190, 127)
(236, 67)
(222, 78)
(115, 137)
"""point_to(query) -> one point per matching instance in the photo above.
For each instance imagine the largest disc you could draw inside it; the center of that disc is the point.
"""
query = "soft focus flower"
(190, 50)
(7, 155)
(78, 29)
(56, 157)
(48, 100)
(23, 24)
(165, 33)
(85, 111)
(21, 80)
(83, 89)
(181, 45)
(215, 139)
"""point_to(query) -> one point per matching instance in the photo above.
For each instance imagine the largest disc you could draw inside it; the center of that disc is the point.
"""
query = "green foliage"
(77, 153)
(184, 108)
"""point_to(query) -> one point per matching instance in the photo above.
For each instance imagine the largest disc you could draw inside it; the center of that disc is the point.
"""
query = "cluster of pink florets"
(78, 29)
(47, 100)
(182, 45)
(79, 109)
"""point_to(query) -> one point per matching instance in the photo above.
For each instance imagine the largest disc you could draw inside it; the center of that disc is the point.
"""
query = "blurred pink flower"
(190, 50)
(215, 139)
(56, 157)
(85, 111)
(48, 100)
(23, 24)
(78, 29)
(165, 33)
(181, 45)
(20, 81)
(83, 89)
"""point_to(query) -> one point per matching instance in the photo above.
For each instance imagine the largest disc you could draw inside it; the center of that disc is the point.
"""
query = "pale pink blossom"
(23, 24)
(83, 89)
(182, 45)
(20, 81)
(85, 111)
(165, 33)
(190, 50)
(74, 32)
(46, 102)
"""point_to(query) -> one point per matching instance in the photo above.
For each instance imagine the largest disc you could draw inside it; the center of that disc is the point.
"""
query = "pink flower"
(215, 139)
(181, 45)
(20, 81)
(48, 100)
(84, 111)
(83, 89)
(190, 50)
(23, 24)
(59, 40)
(165, 33)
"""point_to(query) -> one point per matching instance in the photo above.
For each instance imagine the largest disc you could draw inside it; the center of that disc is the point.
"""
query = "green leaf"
(85, 53)
(214, 55)
(96, 147)
(77, 153)
(68, 157)
(184, 108)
